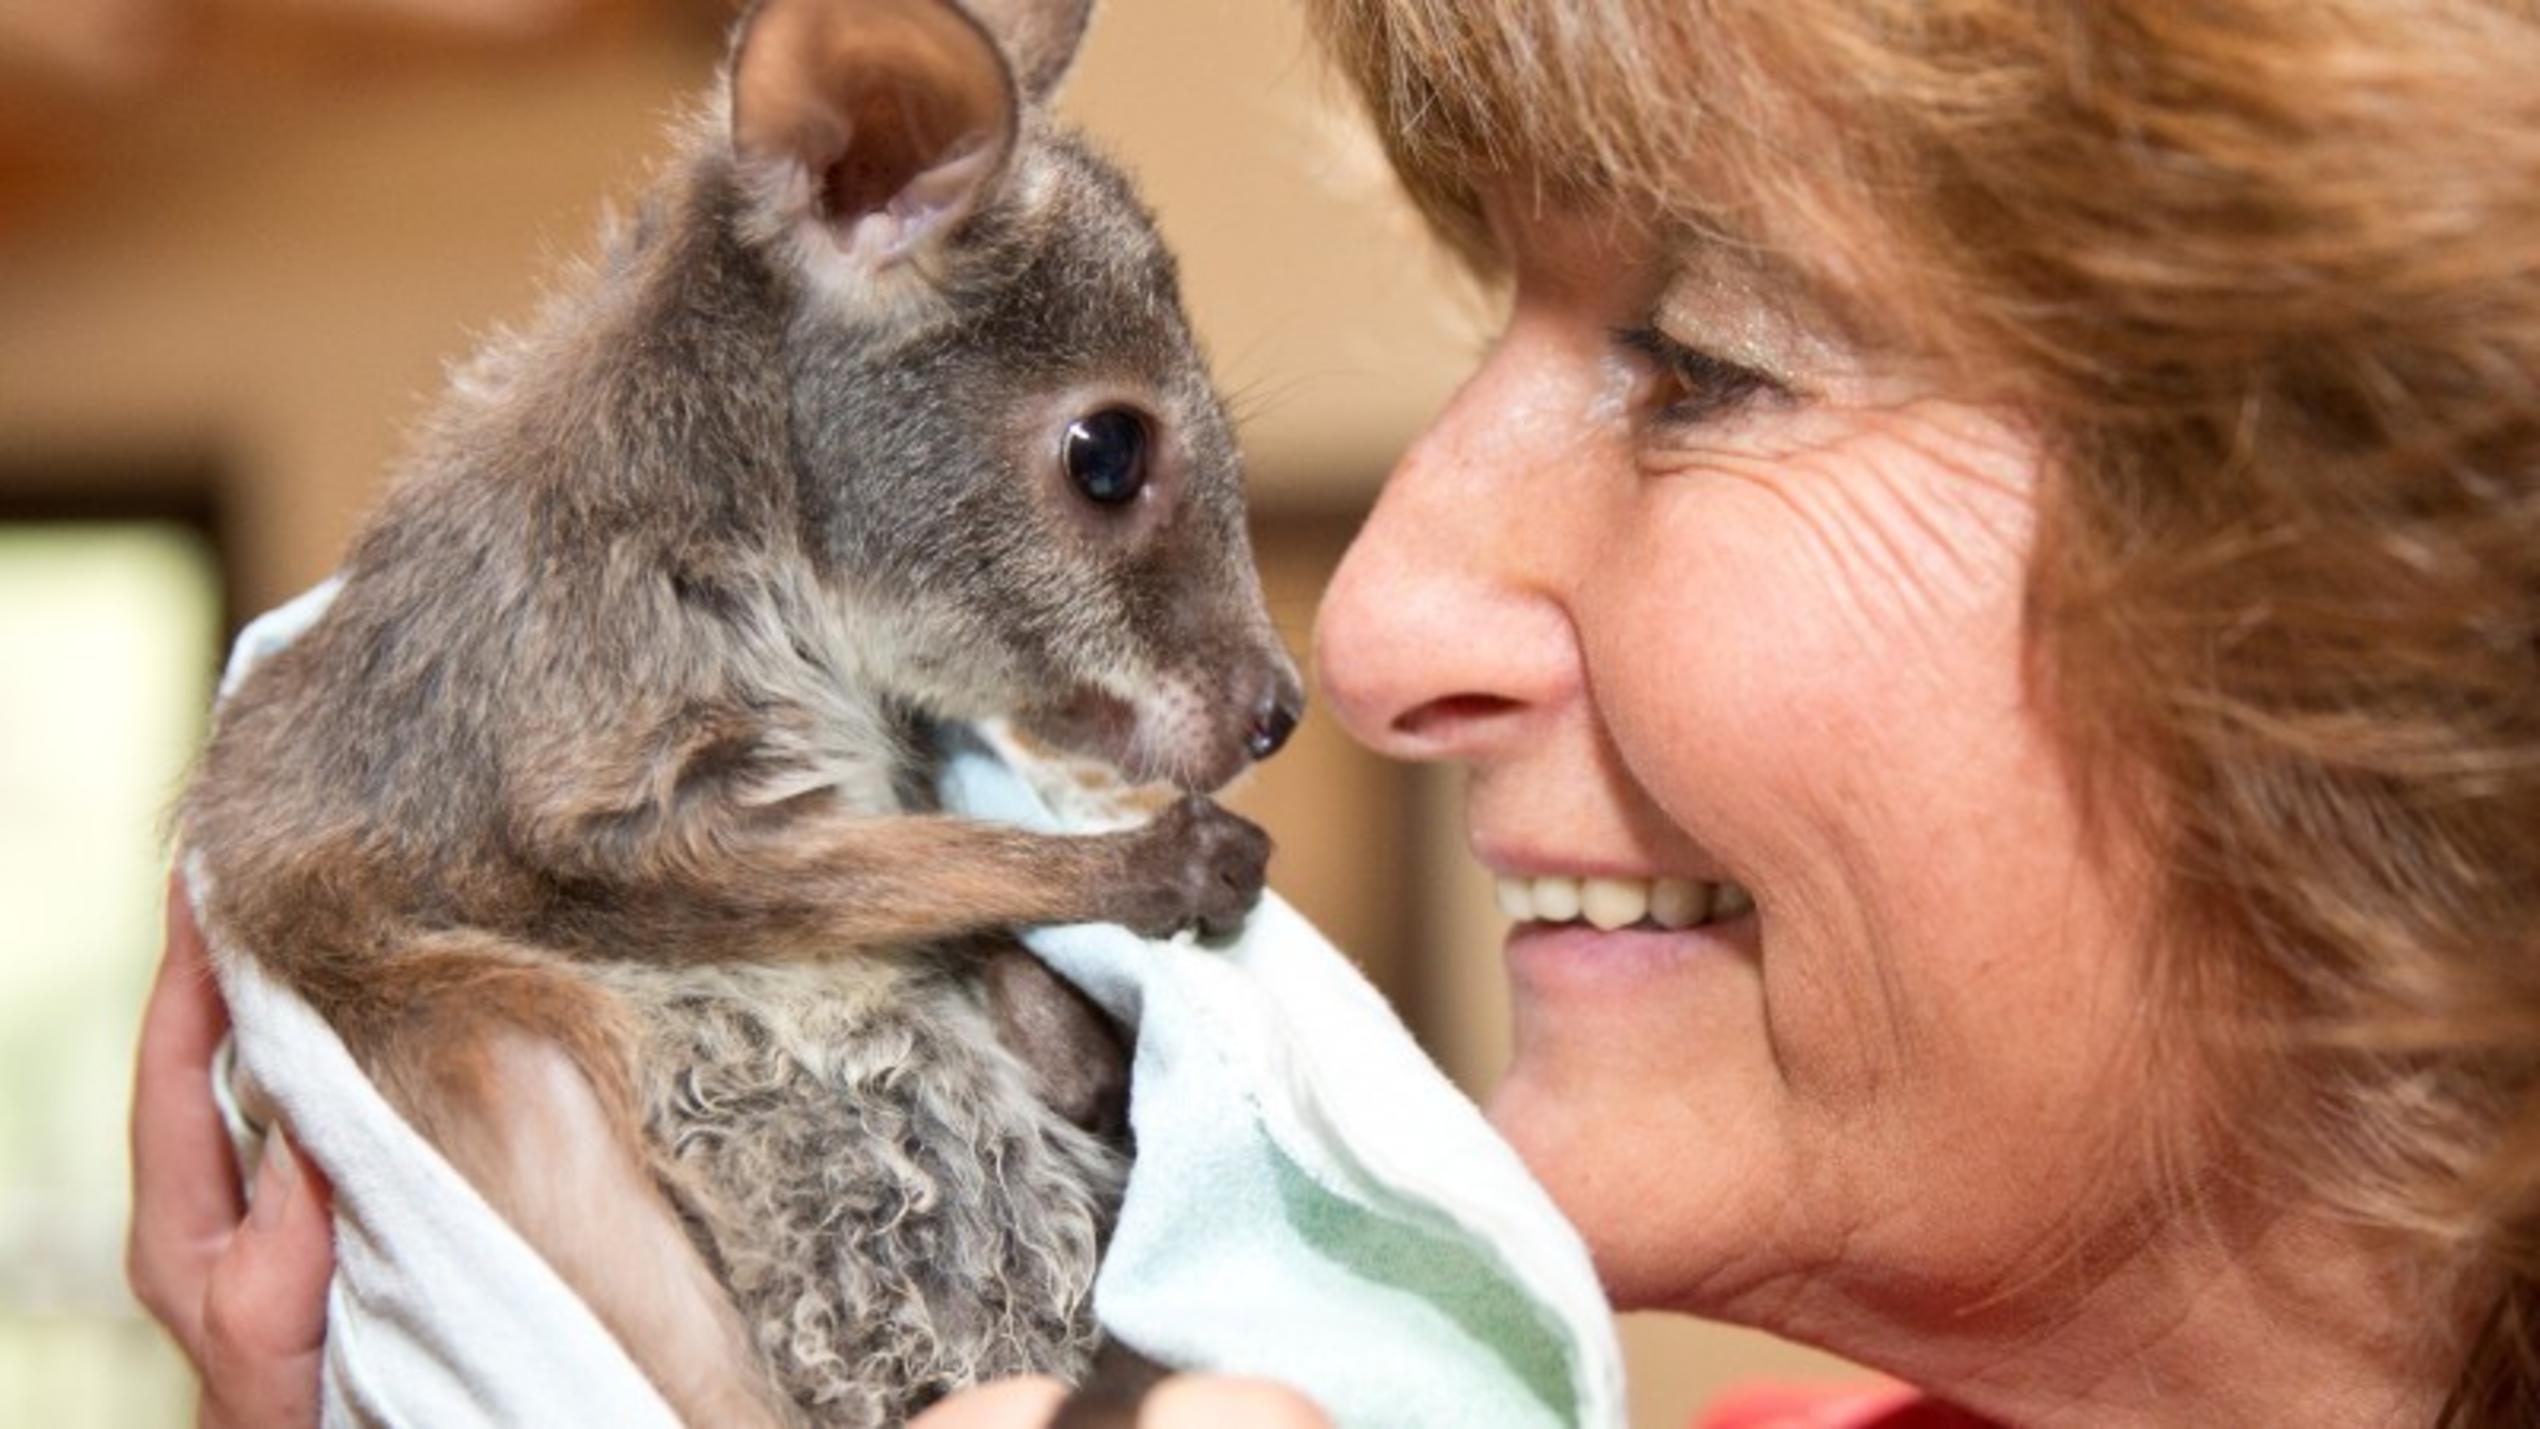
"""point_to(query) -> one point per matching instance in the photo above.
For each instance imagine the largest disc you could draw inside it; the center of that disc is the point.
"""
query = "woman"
(2031, 511)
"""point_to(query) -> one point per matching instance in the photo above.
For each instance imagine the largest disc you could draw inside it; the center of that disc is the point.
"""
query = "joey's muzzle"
(1198, 726)
(1202, 729)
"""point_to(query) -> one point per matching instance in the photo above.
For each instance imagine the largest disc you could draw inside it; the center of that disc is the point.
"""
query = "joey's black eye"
(1106, 455)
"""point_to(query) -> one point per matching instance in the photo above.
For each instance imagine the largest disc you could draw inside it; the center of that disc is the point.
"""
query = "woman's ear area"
(882, 121)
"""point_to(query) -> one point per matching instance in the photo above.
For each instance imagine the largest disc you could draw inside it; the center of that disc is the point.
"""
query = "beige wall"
(269, 276)
(277, 279)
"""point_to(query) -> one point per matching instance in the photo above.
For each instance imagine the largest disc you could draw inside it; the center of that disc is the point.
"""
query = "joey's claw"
(1200, 867)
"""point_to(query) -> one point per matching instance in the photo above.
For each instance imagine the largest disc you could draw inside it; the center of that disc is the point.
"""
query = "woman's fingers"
(185, 1199)
(1006, 1404)
(264, 1307)
(1208, 1401)
(241, 1285)
(1185, 1401)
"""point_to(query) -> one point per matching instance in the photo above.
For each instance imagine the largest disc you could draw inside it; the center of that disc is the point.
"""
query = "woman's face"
(1697, 593)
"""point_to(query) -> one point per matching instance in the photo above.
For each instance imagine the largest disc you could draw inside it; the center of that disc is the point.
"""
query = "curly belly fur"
(871, 1174)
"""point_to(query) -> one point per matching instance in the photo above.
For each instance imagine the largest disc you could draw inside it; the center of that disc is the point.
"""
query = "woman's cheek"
(1807, 654)
(1727, 658)
(1812, 579)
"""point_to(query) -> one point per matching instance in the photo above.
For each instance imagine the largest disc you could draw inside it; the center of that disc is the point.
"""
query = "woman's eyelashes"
(1697, 386)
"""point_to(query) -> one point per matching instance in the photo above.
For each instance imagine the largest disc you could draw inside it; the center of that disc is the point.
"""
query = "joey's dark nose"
(1273, 720)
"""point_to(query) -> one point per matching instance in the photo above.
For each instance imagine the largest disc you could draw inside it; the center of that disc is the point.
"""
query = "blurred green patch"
(108, 637)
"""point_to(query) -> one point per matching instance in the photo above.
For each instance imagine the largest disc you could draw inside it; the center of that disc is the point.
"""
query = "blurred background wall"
(238, 241)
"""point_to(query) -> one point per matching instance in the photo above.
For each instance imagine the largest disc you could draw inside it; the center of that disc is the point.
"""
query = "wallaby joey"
(594, 813)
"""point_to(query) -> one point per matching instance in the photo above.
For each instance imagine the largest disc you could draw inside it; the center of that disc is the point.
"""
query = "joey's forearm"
(842, 882)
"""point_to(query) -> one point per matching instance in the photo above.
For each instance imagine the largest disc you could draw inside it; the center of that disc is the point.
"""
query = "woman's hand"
(242, 1291)
(1186, 1401)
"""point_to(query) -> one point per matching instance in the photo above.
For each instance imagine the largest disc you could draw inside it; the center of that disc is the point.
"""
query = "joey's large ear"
(887, 120)
(1040, 37)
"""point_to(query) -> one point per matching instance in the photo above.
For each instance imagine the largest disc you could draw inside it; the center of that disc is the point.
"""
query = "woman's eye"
(1105, 454)
(1699, 385)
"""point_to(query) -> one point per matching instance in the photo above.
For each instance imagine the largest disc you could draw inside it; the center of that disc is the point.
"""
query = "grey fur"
(896, 1213)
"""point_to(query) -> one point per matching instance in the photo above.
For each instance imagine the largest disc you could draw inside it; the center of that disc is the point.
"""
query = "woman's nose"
(1439, 636)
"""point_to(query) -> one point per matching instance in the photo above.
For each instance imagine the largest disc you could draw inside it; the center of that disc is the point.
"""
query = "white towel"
(1312, 1202)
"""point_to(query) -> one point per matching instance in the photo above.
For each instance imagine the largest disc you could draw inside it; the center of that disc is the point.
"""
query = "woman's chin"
(1662, 1162)
(1595, 1186)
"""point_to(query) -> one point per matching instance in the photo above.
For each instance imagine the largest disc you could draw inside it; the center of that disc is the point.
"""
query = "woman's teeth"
(1611, 903)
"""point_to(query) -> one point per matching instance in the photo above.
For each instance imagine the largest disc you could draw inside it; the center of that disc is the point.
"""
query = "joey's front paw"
(1195, 866)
